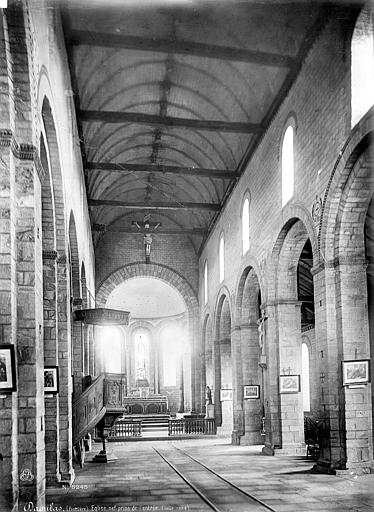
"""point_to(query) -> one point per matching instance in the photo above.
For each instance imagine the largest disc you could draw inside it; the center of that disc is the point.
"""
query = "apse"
(147, 297)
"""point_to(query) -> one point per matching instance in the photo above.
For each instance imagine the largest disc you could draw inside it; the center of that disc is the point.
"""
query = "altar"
(137, 400)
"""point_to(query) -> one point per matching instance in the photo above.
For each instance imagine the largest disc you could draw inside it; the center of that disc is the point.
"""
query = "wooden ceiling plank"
(161, 231)
(190, 48)
(164, 169)
(105, 116)
(161, 205)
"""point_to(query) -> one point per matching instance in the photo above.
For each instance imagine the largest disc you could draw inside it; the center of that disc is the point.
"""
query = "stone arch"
(56, 173)
(55, 252)
(358, 141)
(158, 271)
(346, 260)
(247, 296)
(248, 305)
(223, 359)
(193, 392)
(284, 325)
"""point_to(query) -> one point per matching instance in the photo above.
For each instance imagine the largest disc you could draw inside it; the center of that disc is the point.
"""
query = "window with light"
(245, 225)
(287, 165)
(362, 62)
(221, 259)
(111, 341)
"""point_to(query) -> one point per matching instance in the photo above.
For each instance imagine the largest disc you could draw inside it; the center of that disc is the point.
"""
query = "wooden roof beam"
(209, 51)
(160, 205)
(224, 174)
(159, 231)
(105, 116)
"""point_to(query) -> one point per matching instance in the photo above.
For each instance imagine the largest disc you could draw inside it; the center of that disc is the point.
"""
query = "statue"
(147, 242)
(208, 396)
(261, 330)
(147, 227)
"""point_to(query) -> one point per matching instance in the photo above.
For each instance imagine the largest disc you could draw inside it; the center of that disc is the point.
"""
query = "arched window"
(172, 339)
(245, 225)
(206, 283)
(221, 259)
(305, 384)
(287, 165)
(362, 66)
(111, 349)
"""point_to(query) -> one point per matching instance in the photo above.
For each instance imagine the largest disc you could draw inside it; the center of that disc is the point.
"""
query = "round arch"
(357, 143)
(193, 391)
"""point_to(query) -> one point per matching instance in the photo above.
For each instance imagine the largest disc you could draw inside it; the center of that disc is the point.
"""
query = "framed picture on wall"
(51, 379)
(289, 383)
(251, 392)
(7, 368)
(356, 372)
(226, 395)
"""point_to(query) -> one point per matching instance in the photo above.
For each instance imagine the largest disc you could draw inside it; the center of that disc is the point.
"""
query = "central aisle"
(138, 479)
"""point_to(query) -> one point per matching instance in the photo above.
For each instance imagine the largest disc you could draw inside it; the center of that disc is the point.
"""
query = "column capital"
(285, 302)
(340, 262)
(244, 326)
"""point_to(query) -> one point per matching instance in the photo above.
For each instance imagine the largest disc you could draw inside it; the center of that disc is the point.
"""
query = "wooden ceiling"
(173, 97)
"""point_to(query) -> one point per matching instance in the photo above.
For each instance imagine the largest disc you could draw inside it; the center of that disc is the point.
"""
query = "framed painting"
(251, 392)
(226, 395)
(356, 372)
(289, 383)
(51, 379)
(7, 368)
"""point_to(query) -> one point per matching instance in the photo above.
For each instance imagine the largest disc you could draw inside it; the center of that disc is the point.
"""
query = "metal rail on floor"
(224, 480)
(199, 492)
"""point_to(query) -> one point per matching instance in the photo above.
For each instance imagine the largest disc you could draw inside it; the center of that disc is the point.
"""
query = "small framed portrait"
(226, 395)
(356, 372)
(289, 383)
(51, 379)
(251, 392)
(7, 368)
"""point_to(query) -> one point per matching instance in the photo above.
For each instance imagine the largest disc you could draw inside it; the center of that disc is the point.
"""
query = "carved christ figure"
(147, 243)
(261, 330)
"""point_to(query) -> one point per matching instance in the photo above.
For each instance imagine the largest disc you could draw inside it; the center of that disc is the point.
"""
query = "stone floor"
(138, 479)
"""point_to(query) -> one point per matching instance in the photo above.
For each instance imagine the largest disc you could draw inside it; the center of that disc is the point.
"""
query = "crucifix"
(261, 330)
(147, 228)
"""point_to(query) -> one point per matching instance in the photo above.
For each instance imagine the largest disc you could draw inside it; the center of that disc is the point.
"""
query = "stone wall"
(326, 150)
(39, 189)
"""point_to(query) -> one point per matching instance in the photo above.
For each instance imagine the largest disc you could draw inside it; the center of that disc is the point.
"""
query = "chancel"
(186, 255)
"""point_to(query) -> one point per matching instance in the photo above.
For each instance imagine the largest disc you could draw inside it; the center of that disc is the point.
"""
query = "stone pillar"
(271, 384)
(251, 375)
(291, 405)
(356, 346)
(196, 389)
(31, 420)
(51, 402)
(9, 471)
(237, 386)
(329, 354)
(65, 371)
(217, 382)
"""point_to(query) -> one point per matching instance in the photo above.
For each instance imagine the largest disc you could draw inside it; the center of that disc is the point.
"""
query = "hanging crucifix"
(147, 228)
